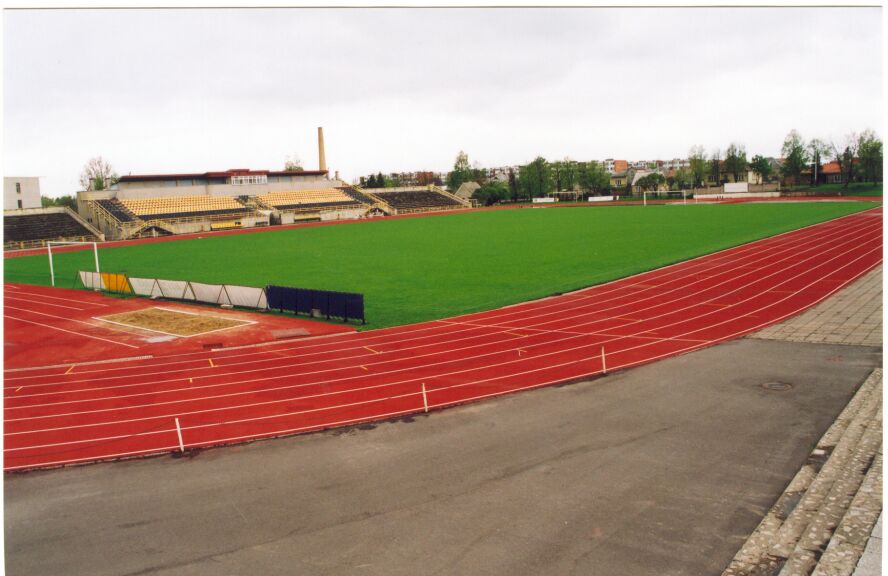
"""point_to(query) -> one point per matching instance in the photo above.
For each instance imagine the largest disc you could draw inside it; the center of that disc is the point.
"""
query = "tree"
(761, 166)
(795, 156)
(683, 179)
(650, 181)
(817, 149)
(699, 165)
(535, 179)
(715, 166)
(492, 193)
(592, 177)
(513, 185)
(845, 158)
(462, 172)
(67, 201)
(380, 180)
(97, 174)
(869, 151)
(293, 164)
(735, 161)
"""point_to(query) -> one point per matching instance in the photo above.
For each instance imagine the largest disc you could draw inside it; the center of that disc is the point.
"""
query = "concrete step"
(850, 539)
(769, 548)
(847, 479)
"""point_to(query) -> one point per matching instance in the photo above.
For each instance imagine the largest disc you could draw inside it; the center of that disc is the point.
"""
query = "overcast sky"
(157, 91)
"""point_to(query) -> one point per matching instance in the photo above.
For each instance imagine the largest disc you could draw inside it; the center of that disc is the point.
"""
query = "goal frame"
(49, 246)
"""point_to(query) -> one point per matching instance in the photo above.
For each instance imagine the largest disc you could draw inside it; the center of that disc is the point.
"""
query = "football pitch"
(417, 269)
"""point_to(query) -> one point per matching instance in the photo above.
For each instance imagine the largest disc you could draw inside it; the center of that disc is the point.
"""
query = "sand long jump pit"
(173, 322)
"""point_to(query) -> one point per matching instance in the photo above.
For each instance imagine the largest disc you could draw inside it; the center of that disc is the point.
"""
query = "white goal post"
(49, 246)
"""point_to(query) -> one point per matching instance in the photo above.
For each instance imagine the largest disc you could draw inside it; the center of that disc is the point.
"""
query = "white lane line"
(70, 331)
(819, 279)
(543, 368)
(26, 310)
(437, 352)
(762, 257)
(38, 295)
(642, 277)
(7, 297)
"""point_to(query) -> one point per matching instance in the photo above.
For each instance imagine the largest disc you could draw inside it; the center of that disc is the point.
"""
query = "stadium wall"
(137, 190)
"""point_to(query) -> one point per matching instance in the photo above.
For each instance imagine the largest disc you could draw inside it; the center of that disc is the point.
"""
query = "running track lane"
(65, 415)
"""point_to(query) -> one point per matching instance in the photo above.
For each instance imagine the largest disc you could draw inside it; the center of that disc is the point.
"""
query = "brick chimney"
(322, 158)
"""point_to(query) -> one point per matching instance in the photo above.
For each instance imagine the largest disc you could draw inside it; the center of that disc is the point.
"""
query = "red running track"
(57, 415)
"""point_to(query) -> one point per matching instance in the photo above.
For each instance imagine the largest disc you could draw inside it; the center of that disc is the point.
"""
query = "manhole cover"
(777, 386)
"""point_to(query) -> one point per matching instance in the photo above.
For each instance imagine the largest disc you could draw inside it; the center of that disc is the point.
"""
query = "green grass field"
(425, 268)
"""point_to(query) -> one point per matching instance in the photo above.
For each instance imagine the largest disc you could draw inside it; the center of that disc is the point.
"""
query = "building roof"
(831, 168)
(225, 174)
(620, 165)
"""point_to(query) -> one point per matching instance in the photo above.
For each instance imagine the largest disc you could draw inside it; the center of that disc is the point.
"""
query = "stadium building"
(26, 224)
(162, 204)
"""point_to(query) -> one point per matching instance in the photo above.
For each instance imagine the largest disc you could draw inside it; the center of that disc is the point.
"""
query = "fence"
(221, 294)
(345, 305)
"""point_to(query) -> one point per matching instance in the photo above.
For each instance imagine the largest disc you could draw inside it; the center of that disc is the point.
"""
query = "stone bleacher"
(358, 196)
(304, 199)
(416, 199)
(175, 207)
(43, 227)
(117, 209)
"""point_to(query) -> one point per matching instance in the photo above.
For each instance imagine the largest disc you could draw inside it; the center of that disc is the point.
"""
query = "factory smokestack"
(322, 158)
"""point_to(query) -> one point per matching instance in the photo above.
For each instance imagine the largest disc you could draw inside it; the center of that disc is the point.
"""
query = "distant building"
(615, 166)
(20, 192)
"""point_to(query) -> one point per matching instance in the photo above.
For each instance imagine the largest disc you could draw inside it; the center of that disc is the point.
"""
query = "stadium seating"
(301, 199)
(173, 207)
(358, 196)
(116, 209)
(410, 200)
(30, 228)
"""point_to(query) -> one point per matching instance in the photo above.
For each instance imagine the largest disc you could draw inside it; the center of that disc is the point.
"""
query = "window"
(254, 179)
(20, 204)
(18, 189)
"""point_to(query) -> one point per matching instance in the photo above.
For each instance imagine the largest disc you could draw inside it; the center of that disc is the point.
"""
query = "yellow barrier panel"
(116, 283)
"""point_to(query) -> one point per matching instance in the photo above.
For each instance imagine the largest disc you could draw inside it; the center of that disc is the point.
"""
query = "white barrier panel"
(601, 198)
(242, 296)
(178, 289)
(247, 297)
(211, 293)
(92, 280)
(543, 200)
(145, 287)
(736, 187)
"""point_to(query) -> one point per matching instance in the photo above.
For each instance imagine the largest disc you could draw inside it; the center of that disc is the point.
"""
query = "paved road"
(663, 470)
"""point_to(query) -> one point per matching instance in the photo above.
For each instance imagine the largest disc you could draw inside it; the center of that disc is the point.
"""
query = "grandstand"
(175, 207)
(307, 199)
(30, 228)
(409, 200)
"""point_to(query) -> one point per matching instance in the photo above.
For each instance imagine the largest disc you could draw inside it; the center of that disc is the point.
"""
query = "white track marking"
(69, 331)
(642, 277)
(435, 353)
(461, 400)
(819, 279)
(766, 257)
(8, 297)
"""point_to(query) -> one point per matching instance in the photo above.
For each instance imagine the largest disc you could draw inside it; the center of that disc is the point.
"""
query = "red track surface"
(60, 326)
(57, 416)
